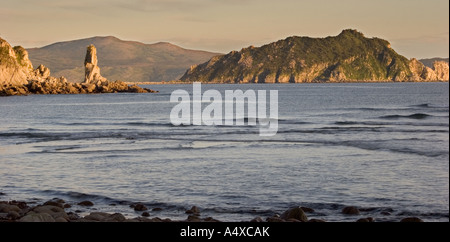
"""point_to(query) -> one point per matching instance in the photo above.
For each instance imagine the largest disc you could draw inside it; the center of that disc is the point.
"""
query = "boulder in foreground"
(295, 213)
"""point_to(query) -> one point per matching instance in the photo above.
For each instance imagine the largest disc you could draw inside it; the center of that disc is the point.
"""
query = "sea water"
(383, 147)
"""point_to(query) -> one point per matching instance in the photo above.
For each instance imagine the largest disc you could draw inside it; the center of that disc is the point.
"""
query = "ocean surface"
(383, 147)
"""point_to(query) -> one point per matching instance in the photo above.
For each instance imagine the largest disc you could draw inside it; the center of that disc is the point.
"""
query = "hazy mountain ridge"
(348, 57)
(120, 60)
(429, 62)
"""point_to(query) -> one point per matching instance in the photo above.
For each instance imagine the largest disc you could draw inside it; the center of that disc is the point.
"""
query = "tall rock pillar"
(92, 71)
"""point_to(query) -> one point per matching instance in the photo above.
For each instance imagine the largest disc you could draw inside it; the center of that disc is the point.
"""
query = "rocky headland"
(348, 57)
(17, 76)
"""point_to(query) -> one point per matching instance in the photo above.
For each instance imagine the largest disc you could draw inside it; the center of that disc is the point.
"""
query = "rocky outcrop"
(430, 62)
(351, 210)
(420, 72)
(411, 220)
(15, 66)
(441, 69)
(92, 71)
(17, 76)
(348, 57)
(295, 213)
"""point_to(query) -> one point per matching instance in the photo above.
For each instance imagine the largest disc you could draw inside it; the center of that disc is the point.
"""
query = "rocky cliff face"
(17, 76)
(430, 62)
(348, 57)
(420, 72)
(441, 68)
(15, 67)
(92, 71)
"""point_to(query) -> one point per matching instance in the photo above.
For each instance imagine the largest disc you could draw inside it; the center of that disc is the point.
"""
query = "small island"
(348, 57)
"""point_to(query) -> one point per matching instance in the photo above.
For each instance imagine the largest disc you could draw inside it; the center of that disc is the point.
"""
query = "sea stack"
(92, 71)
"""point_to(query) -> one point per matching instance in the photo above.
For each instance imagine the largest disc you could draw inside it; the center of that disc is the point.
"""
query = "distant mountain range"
(348, 57)
(119, 60)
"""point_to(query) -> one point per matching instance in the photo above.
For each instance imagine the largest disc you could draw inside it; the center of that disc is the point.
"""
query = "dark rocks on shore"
(194, 210)
(73, 216)
(351, 210)
(411, 220)
(54, 211)
(139, 207)
(56, 202)
(257, 220)
(6, 208)
(13, 215)
(365, 220)
(307, 210)
(103, 217)
(210, 219)
(193, 218)
(295, 213)
(86, 203)
(275, 219)
(35, 217)
(316, 221)
(42, 213)
(20, 204)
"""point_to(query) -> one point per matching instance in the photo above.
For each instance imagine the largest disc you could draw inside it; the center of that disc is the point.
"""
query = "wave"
(375, 123)
(281, 121)
(148, 124)
(375, 146)
(220, 133)
(412, 116)
(79, 196)
(100, 124)
(424, 105)
(356, 130)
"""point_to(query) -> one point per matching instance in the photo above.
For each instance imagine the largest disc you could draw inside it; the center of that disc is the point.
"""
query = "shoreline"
(58, 210)
(251, 83)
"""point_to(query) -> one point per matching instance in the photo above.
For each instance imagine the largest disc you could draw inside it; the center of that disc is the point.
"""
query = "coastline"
(58, 210)
(287, 83)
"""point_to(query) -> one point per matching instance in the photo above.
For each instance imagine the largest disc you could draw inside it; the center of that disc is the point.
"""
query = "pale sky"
(416, 28)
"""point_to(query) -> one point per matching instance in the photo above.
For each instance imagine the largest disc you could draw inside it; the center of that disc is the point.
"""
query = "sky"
(415, 28)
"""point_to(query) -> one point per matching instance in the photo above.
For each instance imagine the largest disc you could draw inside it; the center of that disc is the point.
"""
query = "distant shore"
(249, 83)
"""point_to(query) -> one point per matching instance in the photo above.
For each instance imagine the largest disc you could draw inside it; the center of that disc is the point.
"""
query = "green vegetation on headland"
(348, 57)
